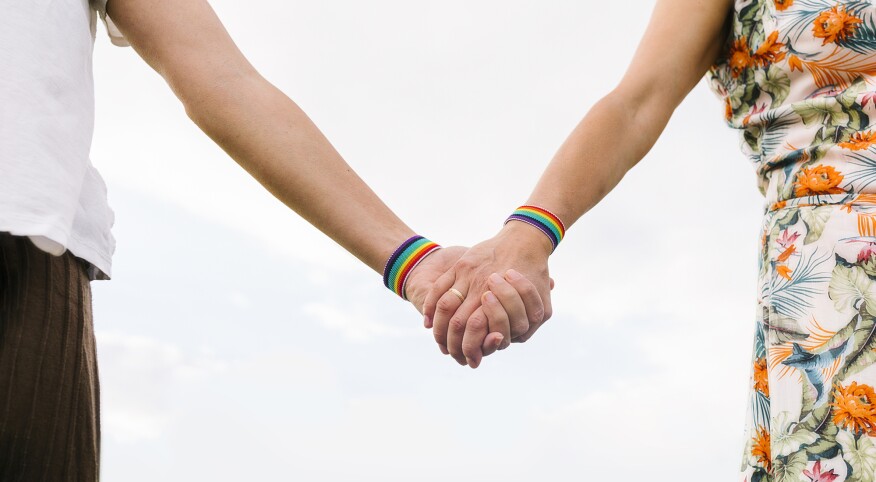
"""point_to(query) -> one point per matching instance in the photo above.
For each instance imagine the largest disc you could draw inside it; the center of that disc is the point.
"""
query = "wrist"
(541, 220)
(525, 239)
(404, 260)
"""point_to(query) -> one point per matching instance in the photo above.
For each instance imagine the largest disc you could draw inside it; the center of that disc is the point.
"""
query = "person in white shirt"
(55, 224)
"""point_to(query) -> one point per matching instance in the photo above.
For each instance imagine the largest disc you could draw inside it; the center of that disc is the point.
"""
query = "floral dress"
(798, 80)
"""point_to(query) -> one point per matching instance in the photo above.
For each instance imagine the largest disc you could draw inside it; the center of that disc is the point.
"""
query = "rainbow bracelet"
(404, 260)
(546, 221)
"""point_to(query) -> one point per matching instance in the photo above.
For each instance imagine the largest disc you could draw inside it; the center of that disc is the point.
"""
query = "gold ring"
(457, 293)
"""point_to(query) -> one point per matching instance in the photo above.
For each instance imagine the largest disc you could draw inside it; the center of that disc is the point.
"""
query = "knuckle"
(465, 264)
(445, 306)
(477, 322)
(537, 315)
(519, 328)
(457, 324)
(470, 350)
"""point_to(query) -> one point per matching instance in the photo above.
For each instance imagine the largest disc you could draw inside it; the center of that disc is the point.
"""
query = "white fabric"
(115, 36)
(49, 189)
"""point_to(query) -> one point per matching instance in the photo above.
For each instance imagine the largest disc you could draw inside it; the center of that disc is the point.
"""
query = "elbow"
(202, 96)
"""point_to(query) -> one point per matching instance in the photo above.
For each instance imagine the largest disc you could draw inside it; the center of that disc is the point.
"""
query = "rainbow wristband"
(546, 221)
(404, 260)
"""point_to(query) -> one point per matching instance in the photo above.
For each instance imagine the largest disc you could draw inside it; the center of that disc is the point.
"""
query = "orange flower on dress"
(795, 63)
(782, 5)
(835, 24)
(854, 408)
(784, 272)
(770, 51)
(761, 377)
(818, 180)
(779, 205)
(740, 57)
(787, 253)
(859, 141)
(728, 109)
(760, 449)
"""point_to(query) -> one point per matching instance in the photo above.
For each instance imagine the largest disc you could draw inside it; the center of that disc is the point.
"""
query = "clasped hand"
(480, 300)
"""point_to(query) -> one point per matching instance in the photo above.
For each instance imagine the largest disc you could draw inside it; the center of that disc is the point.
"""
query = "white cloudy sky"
(236, 342)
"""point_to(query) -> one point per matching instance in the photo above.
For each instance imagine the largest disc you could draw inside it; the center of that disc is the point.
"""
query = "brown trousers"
(49, 393)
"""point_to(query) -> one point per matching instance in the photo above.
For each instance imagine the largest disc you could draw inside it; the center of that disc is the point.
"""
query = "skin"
(272, 138)
(683, 39)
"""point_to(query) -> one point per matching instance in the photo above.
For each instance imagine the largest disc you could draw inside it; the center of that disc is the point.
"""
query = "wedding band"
(457, 293)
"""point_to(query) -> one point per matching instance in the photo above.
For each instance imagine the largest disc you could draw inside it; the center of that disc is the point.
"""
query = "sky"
(236, 342)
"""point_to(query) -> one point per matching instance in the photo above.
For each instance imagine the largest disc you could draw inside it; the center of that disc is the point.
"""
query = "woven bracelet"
(544, 220)
(404, 260)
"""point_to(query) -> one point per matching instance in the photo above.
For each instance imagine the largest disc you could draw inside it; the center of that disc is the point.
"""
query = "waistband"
(841, 200)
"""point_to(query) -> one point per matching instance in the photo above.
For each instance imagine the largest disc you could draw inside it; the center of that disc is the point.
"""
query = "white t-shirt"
(49, 189)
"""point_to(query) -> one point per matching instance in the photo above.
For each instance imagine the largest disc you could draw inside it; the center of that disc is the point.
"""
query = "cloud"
(353, 323)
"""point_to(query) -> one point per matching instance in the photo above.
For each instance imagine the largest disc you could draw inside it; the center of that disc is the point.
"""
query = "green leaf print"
(790, 469)
(809, 396)
(784, 440)
(826, 111)
(849, 97)
(752, 136)
(815, 220)
(760, 476)
(816, 421)
(775, 82)
(860, 454)
(783, 329)
(849, 287)
(826, 443)
(861, 355)
(789, 218)
(793, 297)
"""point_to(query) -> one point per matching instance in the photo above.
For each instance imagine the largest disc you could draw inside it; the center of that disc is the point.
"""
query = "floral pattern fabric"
(797, 80)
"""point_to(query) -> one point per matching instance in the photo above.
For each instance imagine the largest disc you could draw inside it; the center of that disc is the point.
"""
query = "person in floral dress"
(796, 78)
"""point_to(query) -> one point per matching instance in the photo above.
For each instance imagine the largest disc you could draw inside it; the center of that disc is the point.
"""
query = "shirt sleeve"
(115, 36)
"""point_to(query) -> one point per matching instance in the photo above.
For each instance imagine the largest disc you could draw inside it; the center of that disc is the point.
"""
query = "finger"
(492, 343)
(526, 336)
(456, 328)
(534, 326)
(445, 309)
(552, 284)
(496, 317)
(438, 289)
(511, 302)
(497, 320)
(473, 339)
(529, 294)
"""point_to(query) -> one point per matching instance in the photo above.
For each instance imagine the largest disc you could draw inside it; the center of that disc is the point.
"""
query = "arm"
(257, 125)
(266, 132)
(683, 39)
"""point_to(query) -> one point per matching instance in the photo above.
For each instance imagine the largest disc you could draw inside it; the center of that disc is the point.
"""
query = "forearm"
(261, 128)
(606, 144)
(274, 140)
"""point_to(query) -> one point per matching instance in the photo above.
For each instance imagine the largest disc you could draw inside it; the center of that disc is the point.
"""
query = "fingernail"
(443, 349)
(513, 275)
(427, 322)
(490, 297)
(470, 362)
(495, 278)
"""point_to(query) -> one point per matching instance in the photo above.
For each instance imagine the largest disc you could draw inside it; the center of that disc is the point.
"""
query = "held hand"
(430, 269)
(513, 267)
